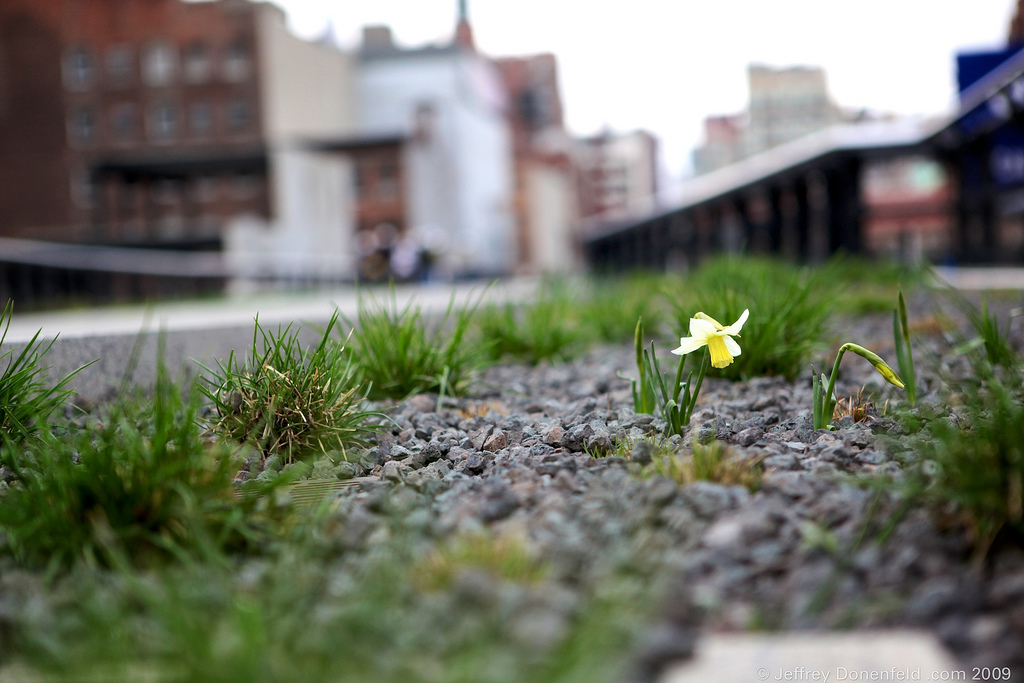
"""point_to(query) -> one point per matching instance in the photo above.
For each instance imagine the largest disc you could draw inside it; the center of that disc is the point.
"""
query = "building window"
(362, 178)
(200, 118)
(237, 64)
(244, 186)
(79, 68)
(123, 121)
(387, 181)
(197, 63)
(163, 121)
(82, 126)
(207, 188)
(83, 190)
(239, 115)
(167, 191)
(160, 65)
(120, 64)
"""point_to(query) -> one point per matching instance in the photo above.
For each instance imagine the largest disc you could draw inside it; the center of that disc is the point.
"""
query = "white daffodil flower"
(706, 331)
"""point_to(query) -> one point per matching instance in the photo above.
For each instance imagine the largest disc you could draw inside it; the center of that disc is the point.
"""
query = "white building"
(619, 174)
(459, 164)
(307, 94)
(785, 104)
(441, 108)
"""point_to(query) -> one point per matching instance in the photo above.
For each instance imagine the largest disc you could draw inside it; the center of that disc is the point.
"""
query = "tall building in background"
(723, 142)
(785, 104)
(546, 195)
(452, 102)
(1015, 36)
(618, 174)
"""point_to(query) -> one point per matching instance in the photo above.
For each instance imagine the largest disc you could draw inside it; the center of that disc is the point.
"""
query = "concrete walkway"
(276, 308)
(196, 333)
(199, 332)
(822, 657)
(979, 279)
(273, 308)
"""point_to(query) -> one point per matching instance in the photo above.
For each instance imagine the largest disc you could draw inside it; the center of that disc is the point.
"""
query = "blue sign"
(1006, 159)
(971, 67)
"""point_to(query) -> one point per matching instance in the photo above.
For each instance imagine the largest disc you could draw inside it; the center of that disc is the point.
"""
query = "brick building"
(546, 195)
(723, 136)
(129, 121)
(618, 175)
(1015, 35)
(171, 125)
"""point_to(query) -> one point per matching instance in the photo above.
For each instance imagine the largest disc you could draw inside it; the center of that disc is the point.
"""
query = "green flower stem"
(827, 402)
(638, 345)
(652, 392)
(904, 353)
(696, 389)
(678, 386)
(827, 398)
(640, 388)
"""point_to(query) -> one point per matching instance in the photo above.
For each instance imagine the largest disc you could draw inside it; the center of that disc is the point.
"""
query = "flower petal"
(731, 346)
(702, 329)
(688, 345)
(720, 356)
(738, 325)
(889, 374)
(705, 316)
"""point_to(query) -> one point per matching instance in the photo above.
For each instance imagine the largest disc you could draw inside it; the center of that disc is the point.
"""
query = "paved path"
(205, 330)
(822, 657)
(976, 279)
(199, 332)
(281, 308)
(273, 308)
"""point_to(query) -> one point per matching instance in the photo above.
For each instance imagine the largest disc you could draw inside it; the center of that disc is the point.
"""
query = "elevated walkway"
(803, 200)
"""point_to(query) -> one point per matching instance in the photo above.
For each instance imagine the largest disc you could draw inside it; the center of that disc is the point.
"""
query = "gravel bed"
(529, 453)
(532, 452)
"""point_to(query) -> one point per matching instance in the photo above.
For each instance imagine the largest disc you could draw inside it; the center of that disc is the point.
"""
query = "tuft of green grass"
(143, 481)
(789, 310)
(996, 343)
(654, 389)
(713, 462)
(657, 446)
(983, 470)
(26, 400)
(645, 387)
(859, 286)
(299, 618)
(973, 465)
(395, 352)
(977, 465)
(545, 329)
(287, 399)
(904, 352)
(610, 307)
(505, 557)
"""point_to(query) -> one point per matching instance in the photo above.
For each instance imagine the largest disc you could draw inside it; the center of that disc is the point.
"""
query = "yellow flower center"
(720, 356)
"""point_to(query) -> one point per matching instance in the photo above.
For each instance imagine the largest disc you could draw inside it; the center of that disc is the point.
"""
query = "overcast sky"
(664, 65)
